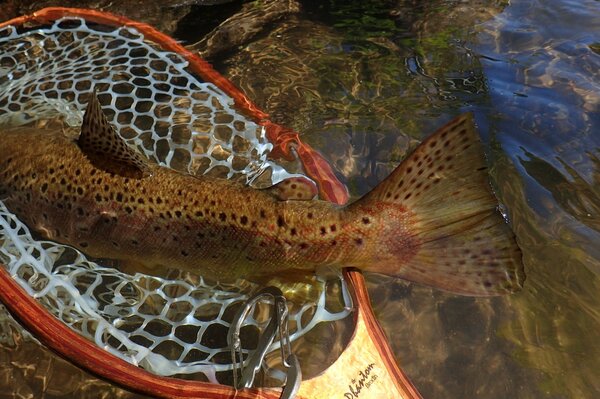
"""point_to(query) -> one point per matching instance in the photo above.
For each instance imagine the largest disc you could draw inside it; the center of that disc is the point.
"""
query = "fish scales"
(99, 196)
(170, 218)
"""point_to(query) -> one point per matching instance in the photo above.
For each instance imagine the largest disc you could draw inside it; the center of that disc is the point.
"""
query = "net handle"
(282, 138)
(85, 354)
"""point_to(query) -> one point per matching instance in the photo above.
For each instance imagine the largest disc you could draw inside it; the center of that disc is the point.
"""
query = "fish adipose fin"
(294, 188)
(460, 241)
(104, 147)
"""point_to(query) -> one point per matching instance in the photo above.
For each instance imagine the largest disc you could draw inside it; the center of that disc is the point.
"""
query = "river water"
(362, 81)
(365, 81)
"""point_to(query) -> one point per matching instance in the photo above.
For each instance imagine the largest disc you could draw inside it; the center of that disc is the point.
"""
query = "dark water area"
(364, 82)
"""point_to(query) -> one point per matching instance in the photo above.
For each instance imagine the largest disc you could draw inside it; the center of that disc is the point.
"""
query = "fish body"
(433, 220)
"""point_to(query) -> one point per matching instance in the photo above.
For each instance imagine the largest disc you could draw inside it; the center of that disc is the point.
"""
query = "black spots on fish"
(184, 253)
(263, 214)
(333, 243)
(280, 221)
(303, 245)
(436, 159)
(293, 231)
(83, 244)
(222, 216)
(333, 228)
(119, 197)
(366, 220)
(323, 230)
(310, 215)
(134, 242)
(358, 241)
(243, 220)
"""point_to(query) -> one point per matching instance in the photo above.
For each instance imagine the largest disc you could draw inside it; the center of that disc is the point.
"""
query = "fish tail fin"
(449, 232)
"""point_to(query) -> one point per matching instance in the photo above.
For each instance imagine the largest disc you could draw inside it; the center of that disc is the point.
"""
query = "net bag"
(164, 336)
(180, 113)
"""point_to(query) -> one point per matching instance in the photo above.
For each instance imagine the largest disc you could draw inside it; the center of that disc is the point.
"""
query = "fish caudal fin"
(459, 241)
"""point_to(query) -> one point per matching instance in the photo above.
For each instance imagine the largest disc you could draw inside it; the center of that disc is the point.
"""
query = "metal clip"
(243, 376)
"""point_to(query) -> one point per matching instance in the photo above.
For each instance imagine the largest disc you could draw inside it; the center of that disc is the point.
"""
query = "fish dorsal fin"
(294, 188)
(104, 147)
(464, 243)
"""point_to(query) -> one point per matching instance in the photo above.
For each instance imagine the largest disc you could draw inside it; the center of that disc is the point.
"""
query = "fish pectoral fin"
(105, 148)
(294, 188)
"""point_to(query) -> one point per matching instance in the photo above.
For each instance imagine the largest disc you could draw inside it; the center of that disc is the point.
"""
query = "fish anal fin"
(103, 146)
(459, 240)
(294, 188)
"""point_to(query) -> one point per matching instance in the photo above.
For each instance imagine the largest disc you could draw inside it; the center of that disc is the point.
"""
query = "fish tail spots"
(453, 237)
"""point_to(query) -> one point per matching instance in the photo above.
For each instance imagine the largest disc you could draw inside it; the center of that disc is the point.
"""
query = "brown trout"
(434, 220)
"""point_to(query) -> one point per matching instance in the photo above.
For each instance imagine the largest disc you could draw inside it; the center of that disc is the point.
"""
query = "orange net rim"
(284, 140)
(75, 348)
(85, 354)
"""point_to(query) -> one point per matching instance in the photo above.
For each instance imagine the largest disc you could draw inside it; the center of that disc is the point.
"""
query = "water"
(365, 81)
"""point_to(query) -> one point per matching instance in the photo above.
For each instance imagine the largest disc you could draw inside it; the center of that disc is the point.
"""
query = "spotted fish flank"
(433, 220)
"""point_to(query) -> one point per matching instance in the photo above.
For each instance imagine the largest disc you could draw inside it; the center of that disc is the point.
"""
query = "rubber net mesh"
(169, 326)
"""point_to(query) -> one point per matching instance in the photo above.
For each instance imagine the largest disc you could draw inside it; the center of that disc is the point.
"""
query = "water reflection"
(364, 81)
(543, 82)
(571, 191)
(531, 75)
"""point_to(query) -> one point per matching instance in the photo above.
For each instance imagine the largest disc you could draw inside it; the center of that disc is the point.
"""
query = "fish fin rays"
(104, 147)
(464, 244)
(294, 188)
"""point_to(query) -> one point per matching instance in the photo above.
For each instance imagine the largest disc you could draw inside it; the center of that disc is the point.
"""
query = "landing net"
(168, 326)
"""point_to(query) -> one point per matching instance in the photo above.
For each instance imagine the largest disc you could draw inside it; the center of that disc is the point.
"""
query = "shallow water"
(364, 83)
